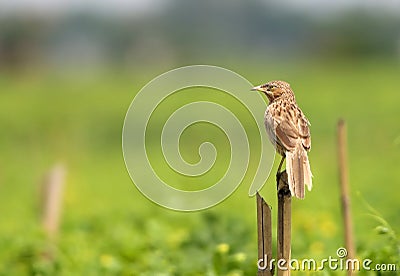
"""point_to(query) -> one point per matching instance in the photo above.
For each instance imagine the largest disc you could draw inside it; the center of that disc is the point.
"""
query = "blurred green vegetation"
(184, 32)
(109, 228)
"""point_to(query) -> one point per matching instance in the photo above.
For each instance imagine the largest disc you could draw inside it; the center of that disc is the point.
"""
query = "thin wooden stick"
(52, 198)
(344, 188)
(264, 229)
(284, 224)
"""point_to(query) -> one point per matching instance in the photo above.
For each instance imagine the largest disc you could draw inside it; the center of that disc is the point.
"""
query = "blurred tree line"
(186, 31)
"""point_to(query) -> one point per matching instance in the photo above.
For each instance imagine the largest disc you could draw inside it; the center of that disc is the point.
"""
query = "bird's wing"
(304, 131)
(287, 134)
(290, 129)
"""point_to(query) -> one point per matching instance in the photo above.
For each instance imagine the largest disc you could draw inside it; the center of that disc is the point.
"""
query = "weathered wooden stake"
(344, 188)
(284, 224)
(52, 198)
(264, 229)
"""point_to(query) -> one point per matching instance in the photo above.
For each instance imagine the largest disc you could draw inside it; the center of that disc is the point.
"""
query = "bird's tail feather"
(298, 170)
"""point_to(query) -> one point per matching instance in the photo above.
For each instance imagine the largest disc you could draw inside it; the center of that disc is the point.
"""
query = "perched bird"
(288, 129)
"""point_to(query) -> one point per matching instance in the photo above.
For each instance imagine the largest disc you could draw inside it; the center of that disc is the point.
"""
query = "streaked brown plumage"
(288, 129)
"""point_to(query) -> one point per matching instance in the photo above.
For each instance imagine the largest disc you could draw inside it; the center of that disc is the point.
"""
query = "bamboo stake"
(52, 198)
(264, 229)
(284, 224)
(344, 188)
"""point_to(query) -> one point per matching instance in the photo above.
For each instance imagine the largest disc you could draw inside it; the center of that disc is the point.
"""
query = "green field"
(109, 228)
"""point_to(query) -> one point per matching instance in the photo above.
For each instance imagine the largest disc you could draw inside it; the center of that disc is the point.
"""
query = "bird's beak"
(258, 88)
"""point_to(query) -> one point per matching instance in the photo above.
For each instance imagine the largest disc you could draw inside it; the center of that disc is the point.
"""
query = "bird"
(288, 130)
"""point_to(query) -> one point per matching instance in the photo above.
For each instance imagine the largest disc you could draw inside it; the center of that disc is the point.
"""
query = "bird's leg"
(278, 173)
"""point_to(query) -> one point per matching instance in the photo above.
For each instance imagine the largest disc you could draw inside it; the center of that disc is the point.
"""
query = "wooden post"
(264, 229)
(52, 198)
(284, 224)
(344, 188)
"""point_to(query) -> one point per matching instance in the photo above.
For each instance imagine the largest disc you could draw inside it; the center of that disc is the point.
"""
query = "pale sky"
(389, 5)
(151, 6)
(61, 6)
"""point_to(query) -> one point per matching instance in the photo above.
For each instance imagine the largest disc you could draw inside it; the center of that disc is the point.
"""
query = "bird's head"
(274, 89)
